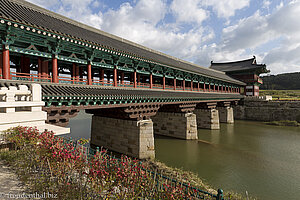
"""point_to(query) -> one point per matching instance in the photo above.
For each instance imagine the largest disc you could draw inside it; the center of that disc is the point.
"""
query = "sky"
(199, 31)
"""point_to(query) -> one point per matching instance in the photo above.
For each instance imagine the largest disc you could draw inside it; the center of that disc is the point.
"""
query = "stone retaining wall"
(268, 110)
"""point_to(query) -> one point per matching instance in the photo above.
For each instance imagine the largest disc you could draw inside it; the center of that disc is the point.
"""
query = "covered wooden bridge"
(125, 85)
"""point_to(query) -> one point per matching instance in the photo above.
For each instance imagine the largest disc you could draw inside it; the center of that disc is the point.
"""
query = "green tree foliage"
(287, 81)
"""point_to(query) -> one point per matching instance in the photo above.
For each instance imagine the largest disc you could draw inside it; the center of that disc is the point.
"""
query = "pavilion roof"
(23, 12)
(242, 65)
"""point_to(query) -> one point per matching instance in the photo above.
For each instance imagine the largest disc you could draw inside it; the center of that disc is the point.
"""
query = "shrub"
(73, 171)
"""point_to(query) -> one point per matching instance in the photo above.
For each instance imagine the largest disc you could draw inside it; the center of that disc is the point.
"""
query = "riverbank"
(283, 123)
(192, 178)
(56, 173)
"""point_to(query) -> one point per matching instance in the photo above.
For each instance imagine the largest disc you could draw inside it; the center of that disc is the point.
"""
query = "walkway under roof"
(22, 12)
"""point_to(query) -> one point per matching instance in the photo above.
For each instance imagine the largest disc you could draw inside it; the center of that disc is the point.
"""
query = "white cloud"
(227, 8)
(274, 38)
(189, 11)
(257, 31)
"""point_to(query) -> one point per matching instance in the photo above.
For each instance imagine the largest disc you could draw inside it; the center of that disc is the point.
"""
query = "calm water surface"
(247, 156)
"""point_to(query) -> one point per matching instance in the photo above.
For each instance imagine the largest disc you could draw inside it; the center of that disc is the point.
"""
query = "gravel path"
(9, 183)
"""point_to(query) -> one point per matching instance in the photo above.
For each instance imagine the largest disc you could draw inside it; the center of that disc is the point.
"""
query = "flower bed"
(73, 171)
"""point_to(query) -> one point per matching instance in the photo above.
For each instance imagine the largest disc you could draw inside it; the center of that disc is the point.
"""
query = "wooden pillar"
(81, 72)
(54, 70)
(5, 64)
(18, 66)
(183, 84)
(39, 67)
(89, 74)
(22, 64)
(1, 63)
(26, 65)
(174, 83)
(45, 70)
(222, 88)
(204, 87)
(164, 82)
(134, 79)
(76, 72)
(122, 77)
(198, 86)
(73, 72)
(138, 79)
(209, 87)
(115, 76)
(151, 81)
(214, 87)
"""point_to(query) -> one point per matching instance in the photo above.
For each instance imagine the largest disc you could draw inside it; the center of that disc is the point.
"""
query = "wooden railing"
(103, 82)
(125, 84)
(83, 81)
(30, 77)
(71, 80)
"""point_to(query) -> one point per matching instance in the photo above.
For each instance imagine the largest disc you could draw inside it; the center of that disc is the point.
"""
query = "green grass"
(281, 94)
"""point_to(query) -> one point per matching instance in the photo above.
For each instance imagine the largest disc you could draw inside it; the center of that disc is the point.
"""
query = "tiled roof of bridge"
(237, 65)
(26, 13)
(65, 90)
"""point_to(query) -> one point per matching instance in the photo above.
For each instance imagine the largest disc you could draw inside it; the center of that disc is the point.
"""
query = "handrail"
(102, 82)
(28, 76)
(73, 80)
(77, 80)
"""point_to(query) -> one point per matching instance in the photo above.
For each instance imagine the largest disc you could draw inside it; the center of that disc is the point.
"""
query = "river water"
(245, 156)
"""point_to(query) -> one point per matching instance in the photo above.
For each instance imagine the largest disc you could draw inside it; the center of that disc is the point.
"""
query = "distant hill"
(288, 81)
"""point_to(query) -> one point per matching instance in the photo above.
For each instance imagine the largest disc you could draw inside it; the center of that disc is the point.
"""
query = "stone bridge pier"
(225, 112)
(176, 121)
(125, 130)
(207, 116)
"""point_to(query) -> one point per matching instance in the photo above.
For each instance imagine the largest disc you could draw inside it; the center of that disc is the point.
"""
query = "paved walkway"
(9, 183)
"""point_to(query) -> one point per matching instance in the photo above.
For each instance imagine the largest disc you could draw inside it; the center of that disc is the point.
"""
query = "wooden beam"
(164, 82)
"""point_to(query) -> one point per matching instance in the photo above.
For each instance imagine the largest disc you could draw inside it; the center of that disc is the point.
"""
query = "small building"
(247, 71)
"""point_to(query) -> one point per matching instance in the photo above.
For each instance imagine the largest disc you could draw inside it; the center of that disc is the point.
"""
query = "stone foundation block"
(178, 125)
(226, 115)
(133, 138)
(207, 118)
